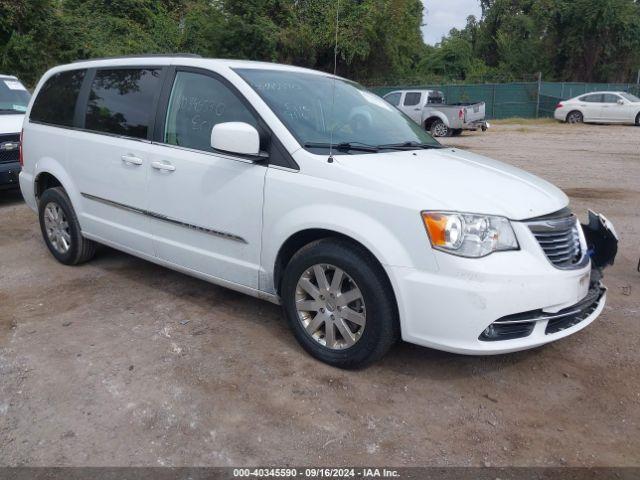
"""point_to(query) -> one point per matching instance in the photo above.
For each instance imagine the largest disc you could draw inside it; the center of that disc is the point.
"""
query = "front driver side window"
(197, 103)
(611, 98)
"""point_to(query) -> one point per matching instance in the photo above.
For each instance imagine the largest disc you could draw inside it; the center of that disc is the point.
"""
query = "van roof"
(180, 59)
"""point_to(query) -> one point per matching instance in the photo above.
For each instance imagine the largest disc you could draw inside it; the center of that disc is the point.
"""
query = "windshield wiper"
(408, 146)
(344, 146)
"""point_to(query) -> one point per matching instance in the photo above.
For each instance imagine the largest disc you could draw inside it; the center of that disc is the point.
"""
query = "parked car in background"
(306, 190)
(600, 107)
(428, 109)
(14, 99)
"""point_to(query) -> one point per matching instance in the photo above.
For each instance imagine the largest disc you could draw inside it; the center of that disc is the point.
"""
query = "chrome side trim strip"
(164, 218)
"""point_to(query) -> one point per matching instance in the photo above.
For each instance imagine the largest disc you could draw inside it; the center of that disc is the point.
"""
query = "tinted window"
(393, 98)
(596, 98)
(412, 98)
(197, 103)
(121, 102)
(611, 98)
(56, 101)
(435, 98)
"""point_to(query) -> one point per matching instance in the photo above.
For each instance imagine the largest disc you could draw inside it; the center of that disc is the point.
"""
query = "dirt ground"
(120, 362)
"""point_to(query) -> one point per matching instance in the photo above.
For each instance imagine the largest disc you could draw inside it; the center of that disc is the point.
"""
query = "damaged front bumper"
(524, 298)
(602, 246)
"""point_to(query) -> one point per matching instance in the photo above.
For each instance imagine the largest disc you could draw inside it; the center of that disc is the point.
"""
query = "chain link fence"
(520, 99)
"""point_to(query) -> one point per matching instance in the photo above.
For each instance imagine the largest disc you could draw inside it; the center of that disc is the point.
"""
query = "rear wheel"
(638, 120)
(439, 129)
(575, 117)
(61, 230)
(339, 304)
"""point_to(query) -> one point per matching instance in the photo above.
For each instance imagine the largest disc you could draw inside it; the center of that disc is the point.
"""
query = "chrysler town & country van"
(307, 190)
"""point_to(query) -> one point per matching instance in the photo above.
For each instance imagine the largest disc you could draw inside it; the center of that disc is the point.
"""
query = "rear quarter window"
(56, 100)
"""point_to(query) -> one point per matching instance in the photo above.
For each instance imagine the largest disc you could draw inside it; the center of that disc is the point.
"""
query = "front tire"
(439, 129)
(339, 304)
(638, 120)
(61, 230)
(574, 117)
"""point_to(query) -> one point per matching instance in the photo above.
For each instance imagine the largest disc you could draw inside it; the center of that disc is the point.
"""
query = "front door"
(205, 207)
(411, 105)
(615, 109)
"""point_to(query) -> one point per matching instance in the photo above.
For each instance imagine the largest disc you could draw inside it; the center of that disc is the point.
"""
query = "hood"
(11, 123)
(452, 179)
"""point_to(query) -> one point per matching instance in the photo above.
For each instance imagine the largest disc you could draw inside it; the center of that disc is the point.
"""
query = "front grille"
(7, 156)
(559, 239)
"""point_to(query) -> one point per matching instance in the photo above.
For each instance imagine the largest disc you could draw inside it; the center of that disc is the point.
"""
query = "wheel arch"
(304, 237)
(432, 118)
(49, 173)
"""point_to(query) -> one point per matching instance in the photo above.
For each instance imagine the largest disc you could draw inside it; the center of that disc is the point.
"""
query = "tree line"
(380, 41)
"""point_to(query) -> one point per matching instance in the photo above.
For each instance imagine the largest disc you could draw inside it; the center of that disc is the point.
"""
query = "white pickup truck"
(428, 108)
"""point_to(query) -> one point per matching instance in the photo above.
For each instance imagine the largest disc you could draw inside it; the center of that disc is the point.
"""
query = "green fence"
(523, 99)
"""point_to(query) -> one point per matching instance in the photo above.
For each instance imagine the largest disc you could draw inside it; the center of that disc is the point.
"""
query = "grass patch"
(523, 121)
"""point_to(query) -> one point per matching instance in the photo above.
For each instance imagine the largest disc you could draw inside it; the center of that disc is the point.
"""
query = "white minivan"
(307, 190)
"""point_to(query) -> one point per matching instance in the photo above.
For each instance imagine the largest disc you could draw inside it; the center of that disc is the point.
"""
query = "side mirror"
(620, 102)
(236, 138)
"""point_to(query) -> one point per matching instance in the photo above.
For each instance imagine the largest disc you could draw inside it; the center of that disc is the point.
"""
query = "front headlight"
(469, 235)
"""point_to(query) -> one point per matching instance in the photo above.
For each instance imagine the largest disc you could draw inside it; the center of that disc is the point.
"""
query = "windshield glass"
(357, 117)
(14, 98)
(630, 97)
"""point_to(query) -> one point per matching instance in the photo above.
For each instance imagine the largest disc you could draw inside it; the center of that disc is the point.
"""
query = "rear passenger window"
(197, 103)
(121, 102)
(595, 98)
(56, 100)
(412, 98)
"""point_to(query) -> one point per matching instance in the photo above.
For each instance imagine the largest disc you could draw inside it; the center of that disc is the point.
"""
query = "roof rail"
(142, 55)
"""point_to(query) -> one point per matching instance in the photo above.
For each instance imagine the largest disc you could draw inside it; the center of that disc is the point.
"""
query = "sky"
(443, 15)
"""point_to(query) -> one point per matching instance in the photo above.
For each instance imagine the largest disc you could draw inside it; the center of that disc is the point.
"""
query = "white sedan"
(600, 107)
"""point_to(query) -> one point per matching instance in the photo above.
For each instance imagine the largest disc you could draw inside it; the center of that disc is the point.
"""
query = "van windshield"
(14, 98)
(357, 119)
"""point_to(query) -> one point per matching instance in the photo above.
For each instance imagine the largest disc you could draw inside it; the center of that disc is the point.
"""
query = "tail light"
(20, 152)
(559, 106)
(461, 113)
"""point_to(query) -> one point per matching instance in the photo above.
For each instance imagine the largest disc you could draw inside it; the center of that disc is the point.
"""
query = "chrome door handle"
(417, 109)
(167, 167)
(131, 160)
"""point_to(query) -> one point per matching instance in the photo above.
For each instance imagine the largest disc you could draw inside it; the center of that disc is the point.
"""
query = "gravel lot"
(120, 362)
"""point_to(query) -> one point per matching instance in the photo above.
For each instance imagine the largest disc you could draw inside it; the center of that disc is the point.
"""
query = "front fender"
(374, 235)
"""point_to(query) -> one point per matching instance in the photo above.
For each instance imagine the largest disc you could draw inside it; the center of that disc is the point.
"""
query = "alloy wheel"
(330, 306)
(575, 117)
(57, 227)
(440, 130)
